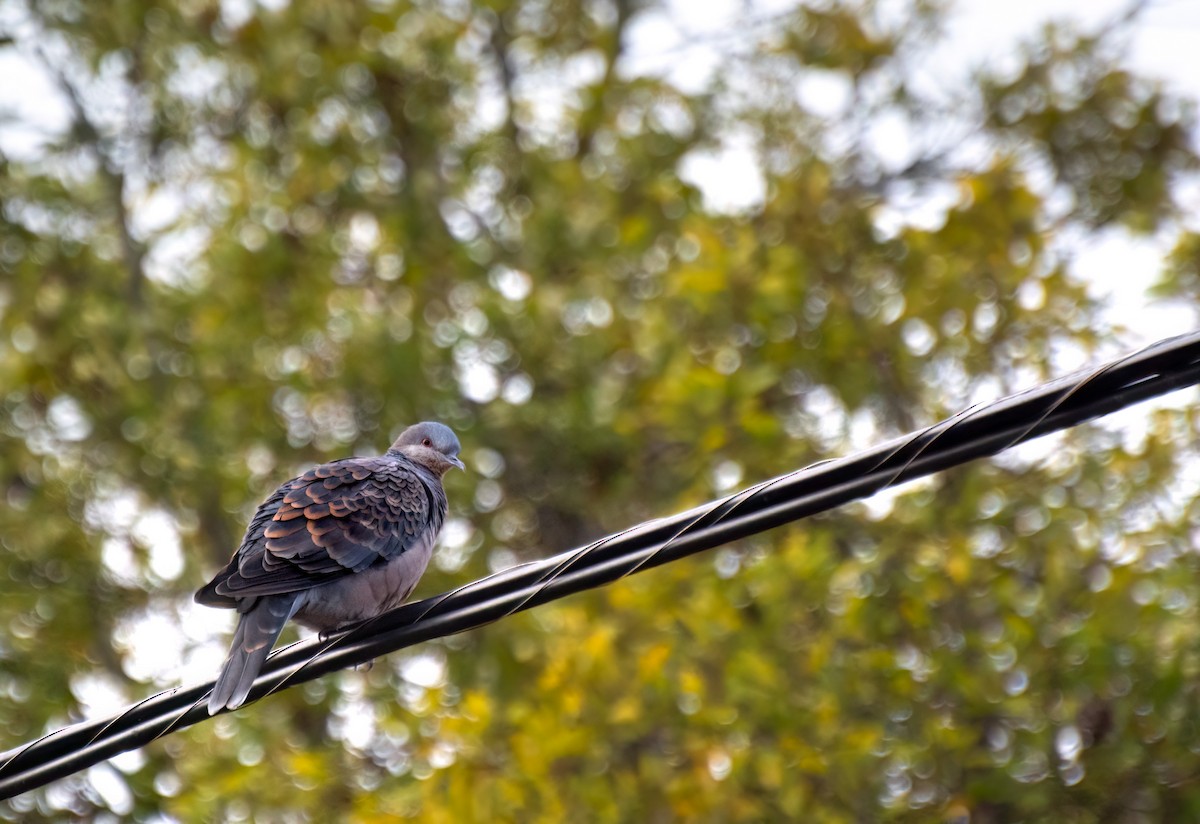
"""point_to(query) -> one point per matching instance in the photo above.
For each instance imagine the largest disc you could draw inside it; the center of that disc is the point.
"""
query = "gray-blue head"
(430, 444)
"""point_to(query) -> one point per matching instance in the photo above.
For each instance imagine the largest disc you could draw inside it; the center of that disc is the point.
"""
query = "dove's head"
(432, 445)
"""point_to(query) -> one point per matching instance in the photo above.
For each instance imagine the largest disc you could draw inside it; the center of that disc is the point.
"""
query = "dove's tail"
(256, 634)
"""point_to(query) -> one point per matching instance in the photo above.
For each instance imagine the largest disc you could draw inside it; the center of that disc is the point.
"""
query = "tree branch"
(132, 251)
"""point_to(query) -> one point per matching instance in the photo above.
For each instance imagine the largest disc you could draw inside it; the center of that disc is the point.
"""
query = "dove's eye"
(427, 442)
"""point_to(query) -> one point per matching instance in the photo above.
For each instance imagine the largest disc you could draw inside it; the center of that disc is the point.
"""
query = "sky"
(685, 44)
(1118, 268)
(1164, 46)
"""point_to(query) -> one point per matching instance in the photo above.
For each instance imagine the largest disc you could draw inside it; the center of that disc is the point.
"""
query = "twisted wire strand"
(980, 430)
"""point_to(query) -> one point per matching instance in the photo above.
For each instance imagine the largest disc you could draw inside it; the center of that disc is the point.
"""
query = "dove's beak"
(457, 461)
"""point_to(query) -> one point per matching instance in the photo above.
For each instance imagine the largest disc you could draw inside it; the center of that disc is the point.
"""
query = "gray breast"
(365, 594)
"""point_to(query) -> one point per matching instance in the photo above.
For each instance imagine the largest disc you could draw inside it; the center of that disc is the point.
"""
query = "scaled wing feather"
(334, 520)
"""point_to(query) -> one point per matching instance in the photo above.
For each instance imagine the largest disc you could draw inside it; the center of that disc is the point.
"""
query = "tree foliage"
(274, 235)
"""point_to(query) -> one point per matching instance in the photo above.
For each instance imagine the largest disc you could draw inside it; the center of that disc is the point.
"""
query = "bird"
(342, 543)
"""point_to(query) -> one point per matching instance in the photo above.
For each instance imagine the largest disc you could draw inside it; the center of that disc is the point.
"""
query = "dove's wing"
(334, 520)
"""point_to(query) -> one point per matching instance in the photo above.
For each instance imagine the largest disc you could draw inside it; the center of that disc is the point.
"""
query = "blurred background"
(638, 255)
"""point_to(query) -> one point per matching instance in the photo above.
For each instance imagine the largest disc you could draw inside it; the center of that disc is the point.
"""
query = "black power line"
(980, 431)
